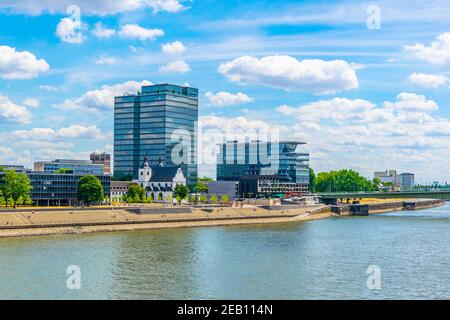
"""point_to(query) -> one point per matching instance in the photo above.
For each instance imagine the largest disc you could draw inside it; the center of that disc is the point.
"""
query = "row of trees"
(137, 194)
(340, 181)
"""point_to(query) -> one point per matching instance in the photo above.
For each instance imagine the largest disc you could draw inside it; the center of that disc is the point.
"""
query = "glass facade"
(271, 164)
(76, 166)
(50, 189)
(154, 123)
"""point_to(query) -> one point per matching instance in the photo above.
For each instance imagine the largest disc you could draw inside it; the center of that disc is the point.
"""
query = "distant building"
(151, 124)
(118, 190)
(159, 182)
(264, 168)
(73, 166)
(17, 168)
(406, 180)
(388, 176)
(221, 188)
(102, 158)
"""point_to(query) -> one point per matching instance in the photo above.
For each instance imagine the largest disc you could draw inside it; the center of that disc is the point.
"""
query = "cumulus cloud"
(69, 30)
(11, 112)
(90, 7)
(49, 134)
(173, 48)
(102, 99)
(32, 103)
(178, 66)
(101, 32)
(437, 53)
(133, 31)
(428, 80)
(285, 72)
(411, 102)
(20, 64)
(337, 109)
(106, 60)
(222, 99)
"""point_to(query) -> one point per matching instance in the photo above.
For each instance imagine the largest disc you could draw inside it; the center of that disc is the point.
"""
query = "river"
(323, 259)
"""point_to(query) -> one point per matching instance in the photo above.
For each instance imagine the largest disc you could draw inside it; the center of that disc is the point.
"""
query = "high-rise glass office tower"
(159, 123)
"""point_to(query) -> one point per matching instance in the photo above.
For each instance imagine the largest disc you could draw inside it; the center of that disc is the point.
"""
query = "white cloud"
(222, 99)
(106, 60)
(174, 47)
(69, 30)
(66, 133)
(178, 66)
(134, 31)
(12, 112)
(411, 102)
(428, 80)
(32, 103)
(285, 72)
(101, 32)
(437, 53)
(20, 64)
(91, 7)
(102, 99)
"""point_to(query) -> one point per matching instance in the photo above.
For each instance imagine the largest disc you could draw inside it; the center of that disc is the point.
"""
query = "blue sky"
(361, 97)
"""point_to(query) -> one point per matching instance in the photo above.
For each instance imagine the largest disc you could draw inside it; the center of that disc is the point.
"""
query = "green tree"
(193, 199)
(213, 198)
(202, 184)
(225, 199)
(169, 199)
(181, 191)
(312, 180)
(2, 199)
(90, 189)
(203, 199)
(342, 181)
(135, 193)
(15, 186)
(148, 199)
(2, 169)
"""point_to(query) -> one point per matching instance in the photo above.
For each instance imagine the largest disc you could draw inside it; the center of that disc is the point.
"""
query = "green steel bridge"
(416, 194)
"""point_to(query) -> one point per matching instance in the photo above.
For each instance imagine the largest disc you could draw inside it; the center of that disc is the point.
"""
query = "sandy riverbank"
(72, 221)
(87, 221)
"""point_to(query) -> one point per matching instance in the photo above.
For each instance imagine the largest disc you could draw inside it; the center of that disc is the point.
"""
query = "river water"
(324, 259)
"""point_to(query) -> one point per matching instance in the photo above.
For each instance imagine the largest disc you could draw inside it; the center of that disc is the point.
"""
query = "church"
(159, 182)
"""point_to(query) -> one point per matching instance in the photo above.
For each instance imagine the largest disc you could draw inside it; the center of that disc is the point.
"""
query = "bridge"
(416, 194)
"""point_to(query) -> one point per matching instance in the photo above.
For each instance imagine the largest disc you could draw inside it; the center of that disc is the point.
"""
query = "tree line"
(345, 180)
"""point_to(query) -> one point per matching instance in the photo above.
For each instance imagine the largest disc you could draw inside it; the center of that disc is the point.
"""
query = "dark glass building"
(154, 123)
(52, 189)
(264, 168)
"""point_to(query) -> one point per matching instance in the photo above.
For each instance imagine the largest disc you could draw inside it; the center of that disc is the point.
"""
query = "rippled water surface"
(311, 260)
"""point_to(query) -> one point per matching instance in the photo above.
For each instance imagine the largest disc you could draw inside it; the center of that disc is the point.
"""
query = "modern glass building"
(159, 123)
(52, 189)
(264, 168)
(74, 166)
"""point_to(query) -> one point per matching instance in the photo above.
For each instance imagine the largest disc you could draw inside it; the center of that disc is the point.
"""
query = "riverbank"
(72, 221)
(25, 223)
